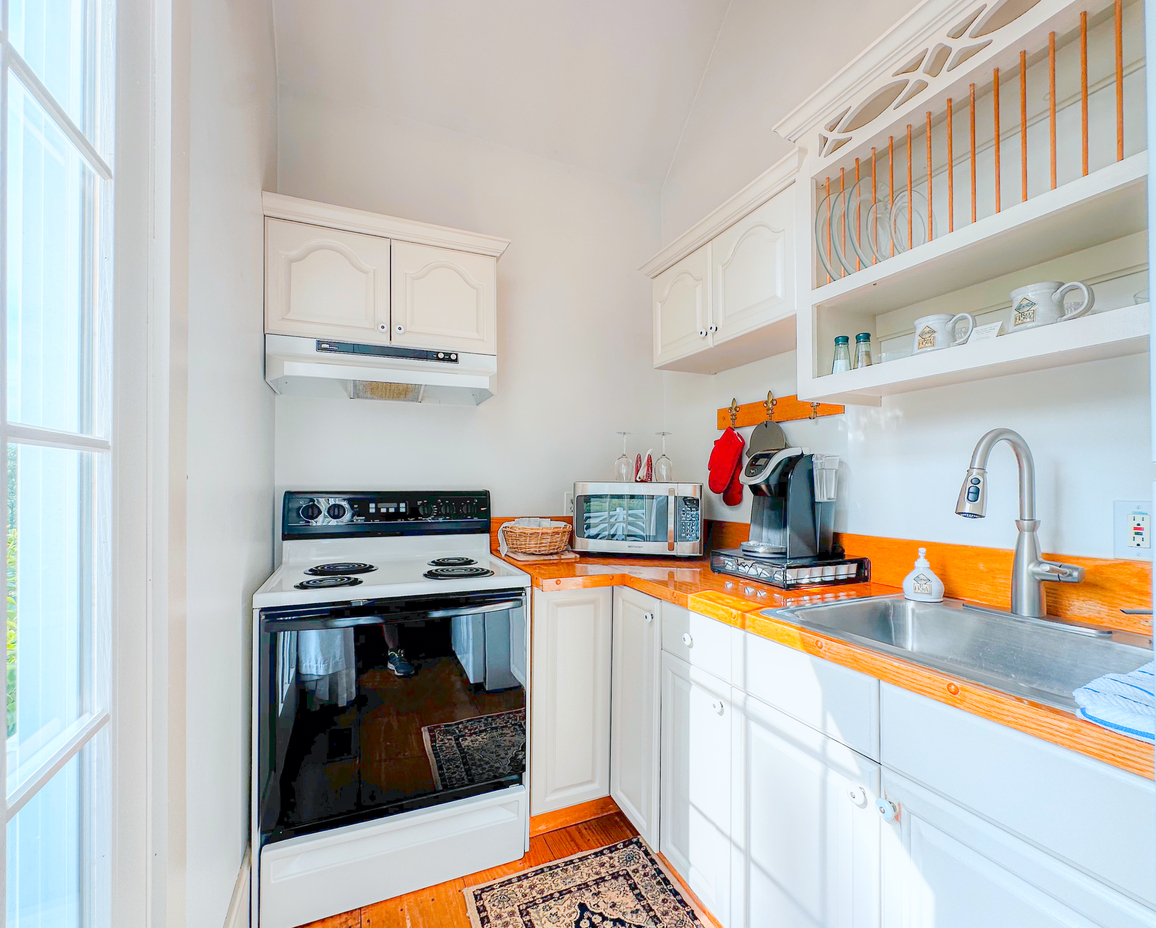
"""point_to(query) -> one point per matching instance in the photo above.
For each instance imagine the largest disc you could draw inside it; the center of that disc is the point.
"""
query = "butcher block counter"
(691, 583)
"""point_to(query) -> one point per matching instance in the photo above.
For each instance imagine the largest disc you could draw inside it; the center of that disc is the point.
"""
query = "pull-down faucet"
(1029, 571)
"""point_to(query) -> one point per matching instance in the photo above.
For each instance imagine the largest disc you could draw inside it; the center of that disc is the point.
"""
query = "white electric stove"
(366, 783)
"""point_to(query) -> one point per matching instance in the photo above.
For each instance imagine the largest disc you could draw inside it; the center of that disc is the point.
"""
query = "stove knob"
(337, 511)
(310, 512)
(425, 510)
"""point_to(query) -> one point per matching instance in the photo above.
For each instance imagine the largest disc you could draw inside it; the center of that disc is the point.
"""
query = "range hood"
(296, 366)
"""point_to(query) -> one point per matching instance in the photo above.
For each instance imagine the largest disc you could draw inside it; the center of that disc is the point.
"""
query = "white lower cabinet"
(944, 867)
(635, 669)
(696, 781)
(570, 698)
(804, 825)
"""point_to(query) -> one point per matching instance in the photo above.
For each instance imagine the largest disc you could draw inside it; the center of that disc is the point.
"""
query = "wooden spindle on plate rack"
(1084, 91)
(891, 185)
(930, 235)
(995, 123)
(843, 224)
(1119, 80)
(910, 200)
(874, 198)
(1023, 126)
(858, 199)
(1052, 101)
(971, 116)
(950, 173)
(828, 227)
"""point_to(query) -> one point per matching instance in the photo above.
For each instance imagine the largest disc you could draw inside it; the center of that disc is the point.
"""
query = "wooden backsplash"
(983, 575)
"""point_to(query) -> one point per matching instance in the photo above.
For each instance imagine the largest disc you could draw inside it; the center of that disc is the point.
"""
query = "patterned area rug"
(476, 750)
(620, 886)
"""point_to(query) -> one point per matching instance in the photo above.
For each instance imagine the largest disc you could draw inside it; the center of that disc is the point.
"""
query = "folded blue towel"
(1123, 702)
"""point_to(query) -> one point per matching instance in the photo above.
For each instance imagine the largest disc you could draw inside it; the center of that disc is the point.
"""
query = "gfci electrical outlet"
(568, 503)
(1132, 529)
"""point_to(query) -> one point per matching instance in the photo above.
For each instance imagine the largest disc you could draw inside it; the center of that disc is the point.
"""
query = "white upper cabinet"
(444, 299)
(681, 308)
(751, 266)
(724, 291)
(346, 274)
(326, 283)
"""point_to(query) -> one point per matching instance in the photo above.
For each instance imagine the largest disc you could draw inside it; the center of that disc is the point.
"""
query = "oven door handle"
(474, 610)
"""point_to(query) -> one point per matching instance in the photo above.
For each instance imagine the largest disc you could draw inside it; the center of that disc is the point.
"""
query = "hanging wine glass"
(623, 467)
(663, 467)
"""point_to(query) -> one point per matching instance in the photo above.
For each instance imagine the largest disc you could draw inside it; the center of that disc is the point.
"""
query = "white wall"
(573, 329)
(1088, 425)
(230, 430)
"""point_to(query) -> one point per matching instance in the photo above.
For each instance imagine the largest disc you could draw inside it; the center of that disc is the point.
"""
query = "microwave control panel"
(688, 519)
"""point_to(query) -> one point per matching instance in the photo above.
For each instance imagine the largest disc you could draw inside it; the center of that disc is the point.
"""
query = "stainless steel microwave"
(638, 518)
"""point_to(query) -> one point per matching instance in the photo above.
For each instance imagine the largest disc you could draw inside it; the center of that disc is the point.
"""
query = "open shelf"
(1110, 334)
(1105, 205)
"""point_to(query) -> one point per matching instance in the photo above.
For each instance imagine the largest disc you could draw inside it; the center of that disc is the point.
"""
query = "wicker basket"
(546, 538)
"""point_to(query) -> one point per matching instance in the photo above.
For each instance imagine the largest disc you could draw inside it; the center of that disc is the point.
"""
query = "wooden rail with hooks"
(775, 408)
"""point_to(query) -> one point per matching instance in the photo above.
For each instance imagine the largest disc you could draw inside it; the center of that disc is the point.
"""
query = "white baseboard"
(238, 914)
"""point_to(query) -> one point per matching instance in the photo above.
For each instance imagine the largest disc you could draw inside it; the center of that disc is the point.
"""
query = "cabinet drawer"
(1096, 816)
(841, 703)
(698, 640)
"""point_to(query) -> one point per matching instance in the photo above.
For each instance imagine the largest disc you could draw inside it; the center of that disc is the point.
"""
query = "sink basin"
(1036, 659)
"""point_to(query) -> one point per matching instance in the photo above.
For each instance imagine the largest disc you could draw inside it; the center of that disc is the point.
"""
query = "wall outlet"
(568, 503)
(1132, 529)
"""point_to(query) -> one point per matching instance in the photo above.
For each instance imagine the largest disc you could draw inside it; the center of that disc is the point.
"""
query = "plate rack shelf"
(1057, 89)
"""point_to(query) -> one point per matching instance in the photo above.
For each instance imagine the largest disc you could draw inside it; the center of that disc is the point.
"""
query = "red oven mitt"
(725, 461)
(734, 492)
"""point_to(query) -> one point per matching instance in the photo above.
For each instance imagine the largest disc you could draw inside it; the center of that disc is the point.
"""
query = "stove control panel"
(328, 514)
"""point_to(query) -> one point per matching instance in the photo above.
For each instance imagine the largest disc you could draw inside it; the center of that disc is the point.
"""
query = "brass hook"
(770, 404)
(814, 409)
(734, 408)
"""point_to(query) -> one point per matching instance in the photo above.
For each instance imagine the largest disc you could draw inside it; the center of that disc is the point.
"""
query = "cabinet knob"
(399, 328)
(887, 809)
(717, 705)
(687, 640)
(383, 327)
(712, 328)
(648, 617)
(858, 796)
(702, 333)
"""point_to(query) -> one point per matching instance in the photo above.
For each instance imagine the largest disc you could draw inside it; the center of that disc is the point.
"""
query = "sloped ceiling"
(602, 85)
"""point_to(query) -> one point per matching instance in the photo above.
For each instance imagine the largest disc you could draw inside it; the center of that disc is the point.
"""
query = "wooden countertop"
(692, 584)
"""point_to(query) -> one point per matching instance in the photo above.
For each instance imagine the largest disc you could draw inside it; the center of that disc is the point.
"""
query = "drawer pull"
(858, 795)
(717, 705)
(887, 809)
(687, 640)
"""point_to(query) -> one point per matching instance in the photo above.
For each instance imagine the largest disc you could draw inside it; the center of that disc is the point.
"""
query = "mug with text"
(1043, 303)
(938, 331)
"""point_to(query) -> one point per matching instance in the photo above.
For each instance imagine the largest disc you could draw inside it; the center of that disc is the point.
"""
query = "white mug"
(1043, 303)
(938, 331)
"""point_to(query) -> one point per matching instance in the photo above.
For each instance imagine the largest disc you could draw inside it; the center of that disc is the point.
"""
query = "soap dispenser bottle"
(922, 585)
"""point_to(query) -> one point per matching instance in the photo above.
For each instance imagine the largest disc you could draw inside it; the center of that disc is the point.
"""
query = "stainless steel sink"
(1037, 659)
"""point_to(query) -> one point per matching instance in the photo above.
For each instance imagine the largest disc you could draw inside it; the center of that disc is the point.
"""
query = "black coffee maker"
(792, 537)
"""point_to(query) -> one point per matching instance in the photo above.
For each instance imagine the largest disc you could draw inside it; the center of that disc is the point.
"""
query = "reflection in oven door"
(345, 738)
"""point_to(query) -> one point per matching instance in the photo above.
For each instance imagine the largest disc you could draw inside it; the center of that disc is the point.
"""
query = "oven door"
(626, 518)
(344, 738)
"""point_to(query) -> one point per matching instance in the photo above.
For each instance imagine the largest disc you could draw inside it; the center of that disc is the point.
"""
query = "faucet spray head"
(972, 502)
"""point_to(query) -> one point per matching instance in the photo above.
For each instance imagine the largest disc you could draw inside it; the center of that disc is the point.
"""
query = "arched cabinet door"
(443, 299)
(752, 267)
(682, 308)
(322, 283)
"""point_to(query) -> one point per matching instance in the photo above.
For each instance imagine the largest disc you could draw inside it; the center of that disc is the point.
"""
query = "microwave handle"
(670, 517)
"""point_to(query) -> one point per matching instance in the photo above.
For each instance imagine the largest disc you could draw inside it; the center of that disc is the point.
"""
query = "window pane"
(44, 854)
(50, 36)
(49, 279)
(49, 599)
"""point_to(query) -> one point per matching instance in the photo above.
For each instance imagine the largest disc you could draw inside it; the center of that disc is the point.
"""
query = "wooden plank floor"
(444, 906)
